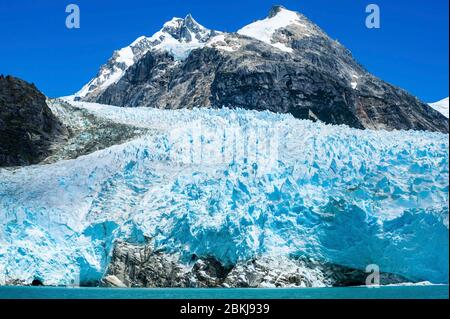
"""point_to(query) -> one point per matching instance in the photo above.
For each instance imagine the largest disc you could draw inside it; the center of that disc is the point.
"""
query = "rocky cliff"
(28, 129)
(284, 63)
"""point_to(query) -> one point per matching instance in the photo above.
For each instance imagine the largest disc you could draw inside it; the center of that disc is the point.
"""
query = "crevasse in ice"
(232, 184)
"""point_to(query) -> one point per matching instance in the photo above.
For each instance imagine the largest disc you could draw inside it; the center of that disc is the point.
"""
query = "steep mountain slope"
(178, 37)
(28, 129)
(285, 64)
(441, 106)
(241, 198)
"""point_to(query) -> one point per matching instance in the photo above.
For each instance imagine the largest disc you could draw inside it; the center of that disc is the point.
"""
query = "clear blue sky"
(410, 50)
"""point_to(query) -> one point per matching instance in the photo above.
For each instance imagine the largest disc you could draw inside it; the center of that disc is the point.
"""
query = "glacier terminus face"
(233, 185)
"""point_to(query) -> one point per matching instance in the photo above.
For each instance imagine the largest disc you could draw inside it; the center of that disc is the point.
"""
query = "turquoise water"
(404, 292)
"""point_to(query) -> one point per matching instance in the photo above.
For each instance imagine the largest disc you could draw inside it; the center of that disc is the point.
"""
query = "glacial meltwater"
(386, 292)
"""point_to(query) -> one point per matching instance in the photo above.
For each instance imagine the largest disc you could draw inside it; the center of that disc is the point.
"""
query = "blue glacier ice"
(296, 188)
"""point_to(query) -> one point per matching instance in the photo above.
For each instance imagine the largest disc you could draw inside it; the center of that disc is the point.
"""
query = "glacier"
(232, 184)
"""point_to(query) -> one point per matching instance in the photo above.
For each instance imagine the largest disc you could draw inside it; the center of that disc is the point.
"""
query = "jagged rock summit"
(177, 36)
(187, 30)
(283, 63)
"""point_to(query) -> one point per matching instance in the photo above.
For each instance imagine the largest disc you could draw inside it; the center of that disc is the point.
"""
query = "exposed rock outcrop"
(135, 265)
(28, 129)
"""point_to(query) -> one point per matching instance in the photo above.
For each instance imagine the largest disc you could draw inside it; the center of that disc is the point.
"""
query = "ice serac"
(177, 37)
(284, 64)
(176, 200)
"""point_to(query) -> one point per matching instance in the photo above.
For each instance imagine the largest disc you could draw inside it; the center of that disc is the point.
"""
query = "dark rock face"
(317, 80)
(37, 282)
(27, 126)
(133, 265)
(142, 266)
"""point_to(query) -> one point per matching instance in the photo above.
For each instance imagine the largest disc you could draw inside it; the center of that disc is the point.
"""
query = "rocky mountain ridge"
(177, 36)
(284, 64)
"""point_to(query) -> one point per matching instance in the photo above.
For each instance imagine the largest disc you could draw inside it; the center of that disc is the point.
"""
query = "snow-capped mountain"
(441, 106)
(177, 37)
(283, 63)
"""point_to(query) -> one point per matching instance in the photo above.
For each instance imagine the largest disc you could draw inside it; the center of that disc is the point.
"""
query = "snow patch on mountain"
(354, 82)
(264, 30)
(441, 106)
(223, 42)
(113, 71)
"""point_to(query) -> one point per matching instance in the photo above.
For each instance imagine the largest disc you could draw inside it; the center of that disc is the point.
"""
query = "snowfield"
(441, 106)
(265, 30)
(232, 184)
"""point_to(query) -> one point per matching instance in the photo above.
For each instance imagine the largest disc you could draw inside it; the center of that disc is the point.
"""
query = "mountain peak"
(186, 30)
(275, 10)
(190, 19)
(178, 37)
